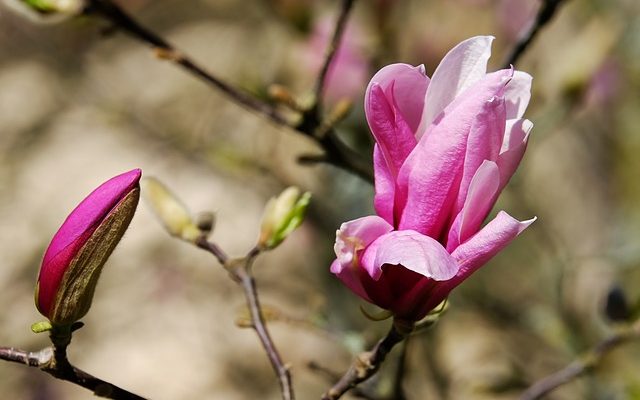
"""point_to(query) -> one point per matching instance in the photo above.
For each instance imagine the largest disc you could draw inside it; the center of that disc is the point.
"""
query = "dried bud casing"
(73, 261)
(282, 215)
(173, 214)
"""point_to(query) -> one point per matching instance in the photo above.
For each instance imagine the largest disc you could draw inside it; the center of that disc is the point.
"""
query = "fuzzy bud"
(173, 214)
(78, 251)
(282, 215)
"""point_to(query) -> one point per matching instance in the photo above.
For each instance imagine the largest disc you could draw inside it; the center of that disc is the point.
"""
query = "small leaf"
(42, 326)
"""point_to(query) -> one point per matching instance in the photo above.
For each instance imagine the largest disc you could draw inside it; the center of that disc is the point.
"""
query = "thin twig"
(581, 366)
(44, 360)
(240, 271)
(336, 152)
(259, 325)
(332, 48)
(367, 364)
(545, 14)
(119, 18)
(401, 369)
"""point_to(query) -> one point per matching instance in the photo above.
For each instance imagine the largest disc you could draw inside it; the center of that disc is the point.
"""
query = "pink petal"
(77, 229)
(513, 147)
(517, 94)
(463, 66)
(427, 185)
(485, 140)
(478, 250)
(384, 186)
(483, 192)
(350, 277)
(410, 86)
(354, 236)
(413, 251)
(394, 138)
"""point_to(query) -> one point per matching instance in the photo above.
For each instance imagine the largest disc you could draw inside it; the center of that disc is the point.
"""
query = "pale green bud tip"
(282, 215)
(42, 326)
(173, 214)
(47, 10)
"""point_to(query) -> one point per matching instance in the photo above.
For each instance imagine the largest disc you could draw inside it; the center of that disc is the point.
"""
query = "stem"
(336, 152)
(582, 365)
(240, 272)
(332, 48)
(401, 369)
(116, 15)
(53, 360)
(545, 14)
(367, 364)
(259, 325)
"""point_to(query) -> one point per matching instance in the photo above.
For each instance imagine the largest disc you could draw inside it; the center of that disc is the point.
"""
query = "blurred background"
(80, 103)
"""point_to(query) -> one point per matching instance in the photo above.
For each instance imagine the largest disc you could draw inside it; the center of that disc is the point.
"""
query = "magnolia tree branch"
(367, 364)
(240, 271)
(545, 14)
(332, 48)
(584, 365)
(56, 364)
(312, 124)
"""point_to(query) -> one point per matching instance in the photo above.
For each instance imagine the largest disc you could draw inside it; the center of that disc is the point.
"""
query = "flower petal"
(427, 185)
(485, 140)
(394, 138)
(413, 251)
(410, 86)
(483, 192)
(350, 277)
(478, 250)
(513, 147)
(385, 186)
(517, 94)
(354, 236)
(462, 67)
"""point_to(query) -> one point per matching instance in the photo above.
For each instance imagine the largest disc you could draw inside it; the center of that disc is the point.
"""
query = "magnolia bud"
(47, 10)
(282, 215)
(173, 214)
(75, 257)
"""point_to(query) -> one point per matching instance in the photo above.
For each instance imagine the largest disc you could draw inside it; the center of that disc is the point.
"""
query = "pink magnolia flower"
(445, 148)
(77, 252)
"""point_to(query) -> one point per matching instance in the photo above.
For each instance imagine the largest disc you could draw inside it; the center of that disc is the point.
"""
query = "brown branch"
(581, 366)
(545, 14)
(55, 363)
(331, 50)
(110, 11)
(401, 369)
(336, 152)
(367, 364)
(240, 271)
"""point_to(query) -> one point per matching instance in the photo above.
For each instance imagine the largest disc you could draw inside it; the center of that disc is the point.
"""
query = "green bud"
(282, 215)
(48, 10)
(173, 214)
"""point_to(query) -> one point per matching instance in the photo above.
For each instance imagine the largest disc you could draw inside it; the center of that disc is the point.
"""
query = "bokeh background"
(78, 105)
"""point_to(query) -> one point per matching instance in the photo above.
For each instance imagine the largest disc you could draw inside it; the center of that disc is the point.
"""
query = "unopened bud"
(47, 10)
(282, 215)
(78, 251)
(173, 214)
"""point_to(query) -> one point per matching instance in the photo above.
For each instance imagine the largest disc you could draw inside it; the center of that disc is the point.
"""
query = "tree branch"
(331, 50)
(336, 152)
(583, 365)
(240, 271)
(367, 364)
(45, 360)
(545, 14)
